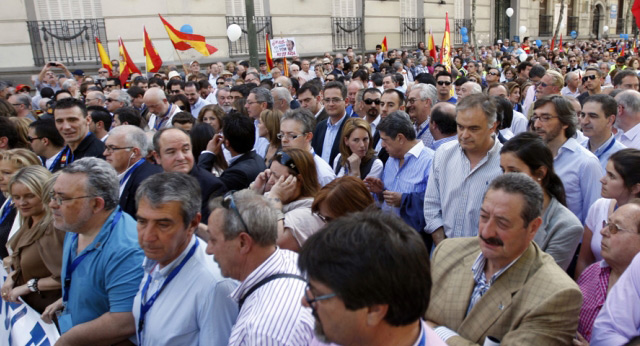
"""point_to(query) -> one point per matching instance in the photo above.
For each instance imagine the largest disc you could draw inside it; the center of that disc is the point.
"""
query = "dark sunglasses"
(586, 78)
(183, 108)
(31, 139)
(220, 83)
(441, 82)
(284, 159)
(370, 101)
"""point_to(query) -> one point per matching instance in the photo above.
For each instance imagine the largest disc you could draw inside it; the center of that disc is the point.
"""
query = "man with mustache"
(500, 285)
(596, 120)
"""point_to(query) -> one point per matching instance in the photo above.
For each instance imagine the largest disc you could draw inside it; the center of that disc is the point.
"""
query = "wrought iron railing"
(459, 24)
(346, 32)
(545, 25)
(68, 41)
(412, 32)
(572, 24)
(241, 46)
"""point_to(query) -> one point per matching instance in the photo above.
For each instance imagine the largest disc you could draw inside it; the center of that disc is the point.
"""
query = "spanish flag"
(104, 57)
(153, 60)
(182, 41)
(432, 46)
(285, 67)
(445, 50)
(127, 66)
(269, 57)
(385, 47)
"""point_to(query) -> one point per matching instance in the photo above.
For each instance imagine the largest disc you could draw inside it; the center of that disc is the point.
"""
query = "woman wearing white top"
(357, 157)
(620, 184)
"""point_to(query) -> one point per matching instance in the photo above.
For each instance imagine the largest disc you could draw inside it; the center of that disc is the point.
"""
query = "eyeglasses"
(441, 82)
(109, 86)
(174, 92)
(613, 228)
(229, 203)
(542, 84)
(370, 101)
(103, 72)
(17, 104)
(284, 159)
(111, 100)
(493, 73)
(288, 136)
(111, 148)
(311, 300)
(220, 83)
(586, 78)
(412, 100)
(59, 200)
(330, 79)
(31, 139)
(543, 118)
(333, 100)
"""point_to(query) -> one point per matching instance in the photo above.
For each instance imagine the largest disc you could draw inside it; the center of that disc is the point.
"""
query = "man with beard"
(361, 304)
(224, 98)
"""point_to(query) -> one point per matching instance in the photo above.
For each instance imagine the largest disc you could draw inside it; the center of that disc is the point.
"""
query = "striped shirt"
(455, 191)
(593, 283)
(273, 314)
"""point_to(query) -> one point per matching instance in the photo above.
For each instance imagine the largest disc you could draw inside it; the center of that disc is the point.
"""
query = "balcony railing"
(68, 41)
(459, 24)
(546, 25)
(346, 32)
(241, 46)
(413, 32)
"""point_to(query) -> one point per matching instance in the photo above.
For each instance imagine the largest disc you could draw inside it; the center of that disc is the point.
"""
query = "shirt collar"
(415, 150)
(478, 269)
(377, 121)
(232, 159)
(604, 145)
(149, 264)
(632, 133)
(339, 121)
(571, 144)
(121, 175)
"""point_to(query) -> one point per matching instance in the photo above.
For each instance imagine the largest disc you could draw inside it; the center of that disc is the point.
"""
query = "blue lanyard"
(422, 131)
(145, 307)
(8, 208)
(613, 141)
(55, 162)
(130, 171)
(76, 262)
(67, 154)
(164, 117)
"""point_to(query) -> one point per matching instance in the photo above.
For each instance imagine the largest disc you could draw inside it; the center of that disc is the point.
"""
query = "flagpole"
(144, 50)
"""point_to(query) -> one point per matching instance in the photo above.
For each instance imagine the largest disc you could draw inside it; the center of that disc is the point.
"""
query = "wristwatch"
(33, 285)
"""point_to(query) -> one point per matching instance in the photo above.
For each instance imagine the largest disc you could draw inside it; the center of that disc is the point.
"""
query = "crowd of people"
(378, 199)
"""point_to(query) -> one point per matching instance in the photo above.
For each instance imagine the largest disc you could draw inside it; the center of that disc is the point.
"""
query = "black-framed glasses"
(372, 101)
(586, 78)
(284, 159)
(613, 228)
(31, 139)
(312, 300)
(111, 148)
(543, 118)
(230, 204)
(220, 83)
(59, 200)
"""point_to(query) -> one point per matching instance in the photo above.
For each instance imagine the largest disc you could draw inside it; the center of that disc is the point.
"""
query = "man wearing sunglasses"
(592, 81)
(242, 232)
(444, 85)
(361, 304)
(550, 84)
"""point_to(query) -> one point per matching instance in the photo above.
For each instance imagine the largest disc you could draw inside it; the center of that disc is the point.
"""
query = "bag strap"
(266, 280)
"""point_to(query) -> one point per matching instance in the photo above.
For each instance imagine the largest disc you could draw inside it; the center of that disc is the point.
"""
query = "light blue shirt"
(107, 279)
(424, 134)
(605, 150)
(261, 144)
(580, 172)
(195, 109)
(437, 143)
(455, 191)
(194, 308)
(330, 137)
(412, 176)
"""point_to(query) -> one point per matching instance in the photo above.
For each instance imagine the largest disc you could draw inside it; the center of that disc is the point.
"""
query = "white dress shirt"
(630, 138)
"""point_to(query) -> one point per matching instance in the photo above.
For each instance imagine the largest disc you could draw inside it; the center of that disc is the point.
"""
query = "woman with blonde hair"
(269, 128)
(357, 157)
(36, 259)
(292, 181)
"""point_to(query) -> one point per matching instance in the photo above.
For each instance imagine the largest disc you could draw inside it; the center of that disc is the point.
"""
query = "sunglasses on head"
(284, 159)
(370, 101)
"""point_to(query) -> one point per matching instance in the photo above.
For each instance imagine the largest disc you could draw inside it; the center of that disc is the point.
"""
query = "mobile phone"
(53, 64)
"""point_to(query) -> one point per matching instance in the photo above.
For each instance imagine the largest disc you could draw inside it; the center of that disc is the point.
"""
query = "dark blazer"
(322, 116)
(210, 185)
(382, 155)
(128, 197)
(242, 172)
(318, 139)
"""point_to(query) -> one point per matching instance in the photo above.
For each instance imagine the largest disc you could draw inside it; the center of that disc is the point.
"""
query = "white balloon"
(234, 32)
(523, 57)
(523, 29)
(509, 12)
(605, 28)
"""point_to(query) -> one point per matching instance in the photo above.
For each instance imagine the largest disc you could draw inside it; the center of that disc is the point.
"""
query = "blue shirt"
(580, 172)
(330, 137)
(412, 176)
(606, 150)
(107, 279)
(437, 143)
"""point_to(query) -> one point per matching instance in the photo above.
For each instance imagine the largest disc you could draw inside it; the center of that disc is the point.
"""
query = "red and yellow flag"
(182, 41)
(127, 66)
(152, 59)
(269, 57)
(104, 57)
(553, 43)
(431, 47)
(560, 48)
(445, 50)
(385, 47)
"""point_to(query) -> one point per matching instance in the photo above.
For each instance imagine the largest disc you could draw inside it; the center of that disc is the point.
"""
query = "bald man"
(161, 110)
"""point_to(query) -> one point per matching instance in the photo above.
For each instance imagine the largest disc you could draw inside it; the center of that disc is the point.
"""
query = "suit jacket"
(318, 139)
(242, 172)
(322, 116)
(534, 302)
(210, 185)
(128, 196)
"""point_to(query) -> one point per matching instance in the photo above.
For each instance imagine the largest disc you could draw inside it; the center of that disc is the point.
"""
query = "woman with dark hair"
(181, 101)
(200, 135)
(292, 181)
(504, 110)
(561, 231)
(340, 197)
(357, 157)
(620, 184)
(212, 115)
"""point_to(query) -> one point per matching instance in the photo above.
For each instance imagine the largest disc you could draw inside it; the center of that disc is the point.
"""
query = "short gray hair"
(263, 95)
(102, 179)
(123, 97)
(224, 88)
(24, 99)
(257, 212)
(302, 116)
(630, 99)
(482, 101)
(427, 92)
(475, 87)
(281, 93)
(163, 188)
(133, 137)
(68, 83)
(522, 184)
